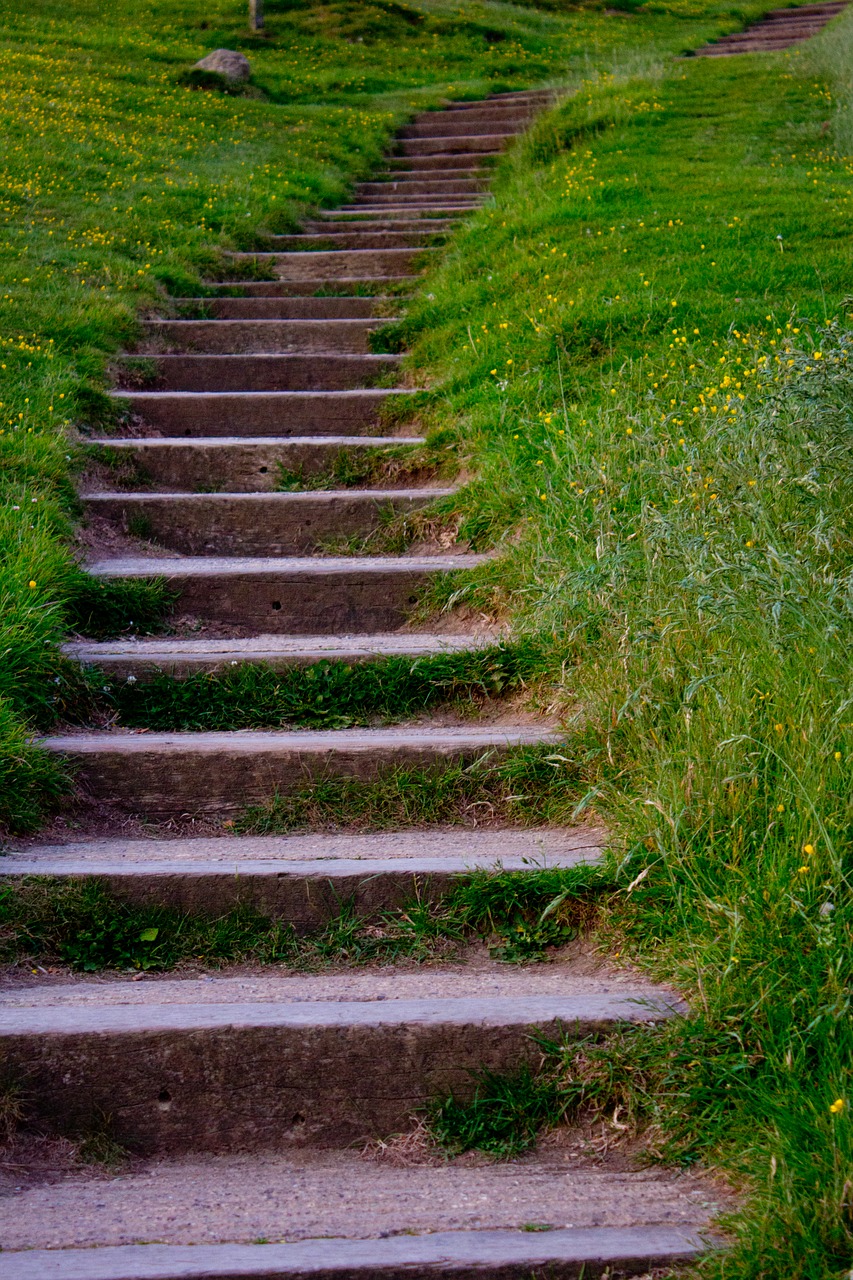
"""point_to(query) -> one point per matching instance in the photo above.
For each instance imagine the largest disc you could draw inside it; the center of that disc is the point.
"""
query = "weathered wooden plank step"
(333, 1197)
(502, 124)
(406, 186)
(387, 195)
(340, 226)
(450, 209)
(368, 287)
(463, 1255)
(360, 238)
(345, 264)
(264, 1060)
(482, 143)
(314, 372)
(167, 774)
(258, 308)
(261, 336)
(301, 879)
(242, 464)
(181, 658)
(458, 162)
(294, 595)
(260, 413)
(249, 524)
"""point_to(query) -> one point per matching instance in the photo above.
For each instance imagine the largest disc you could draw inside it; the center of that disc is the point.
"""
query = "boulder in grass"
(232, 66)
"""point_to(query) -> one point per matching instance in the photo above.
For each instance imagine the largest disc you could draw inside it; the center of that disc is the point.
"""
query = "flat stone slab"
(292, 595)
(187, 657)
(511, 849)
(563, 1254)
(260, 413)
(274, 1061)
(265, 523)
(316, 1195)
(301, 879)
(187, 773)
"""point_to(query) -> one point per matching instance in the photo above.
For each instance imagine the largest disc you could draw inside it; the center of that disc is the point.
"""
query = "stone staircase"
(778, 29)
(247, 1098)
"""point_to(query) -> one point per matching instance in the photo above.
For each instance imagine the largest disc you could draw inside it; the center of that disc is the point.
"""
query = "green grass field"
(644, 352)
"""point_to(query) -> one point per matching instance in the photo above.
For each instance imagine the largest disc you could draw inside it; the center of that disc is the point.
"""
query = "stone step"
(358, 239)
(501, 124)
(169, 774)
(483, 144)
(434, 226)
(286, 308)
(260, 413)
(270, 1060)
(304, 880)
(346, 264)
(292, 595)
(492, 1255)
(511, 113)
(181, 658)
(459, 162)
(261, 372)
(256, 524)
(340, 1202)
(369, 287)
(221, 336)
(410, 210)
(421, 187)
(242, 464)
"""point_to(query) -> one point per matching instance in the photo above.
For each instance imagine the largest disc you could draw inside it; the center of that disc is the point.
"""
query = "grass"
(121, 187)
(330, 695)
(645, 351)
(80, 923)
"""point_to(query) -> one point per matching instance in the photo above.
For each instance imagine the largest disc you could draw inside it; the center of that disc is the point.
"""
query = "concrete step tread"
(486, 994)
(188, 657)
(346, 393)
(308, 322)
(228, 442)
(487, 1253)
(292, 566)
(300, 741)
(392, 644)
(316, 1195)
(304, 497)
(512, 849)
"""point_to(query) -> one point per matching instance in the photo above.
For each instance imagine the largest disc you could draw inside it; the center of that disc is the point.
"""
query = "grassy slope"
(655, 392)
(688, 568)
(118, 184)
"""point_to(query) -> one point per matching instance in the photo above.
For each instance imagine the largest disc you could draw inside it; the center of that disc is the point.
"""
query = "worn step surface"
(248, 524)
(349, 239)
(166, 1058)
(242, 464)
(261, 413)
(194, 773)
(346, 264)
(304, 880)
(323, 1197)
(207, 373)
(778, 29)
(182, 658)
(272, 308)
(292, 595)
(563, 1255)
(264, 336)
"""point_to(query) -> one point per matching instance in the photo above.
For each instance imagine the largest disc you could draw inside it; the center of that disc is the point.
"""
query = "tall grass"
(121, 186)
(648, 348)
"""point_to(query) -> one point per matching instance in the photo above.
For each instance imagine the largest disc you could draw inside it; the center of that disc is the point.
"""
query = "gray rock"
(225, 62)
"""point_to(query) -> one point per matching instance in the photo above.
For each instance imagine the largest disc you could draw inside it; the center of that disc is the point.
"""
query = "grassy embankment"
(667, 411)
(647, 356)
(119, 185)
